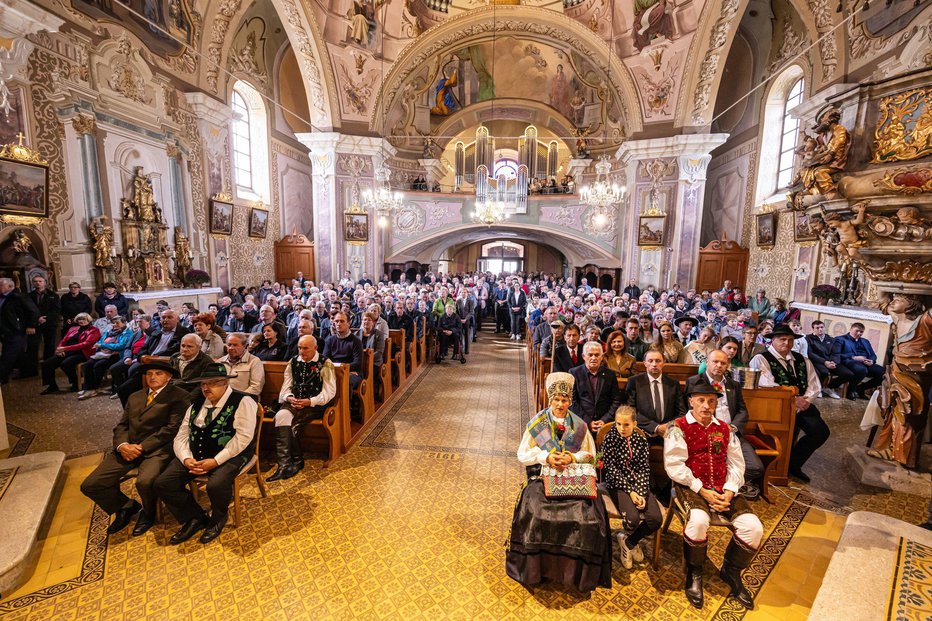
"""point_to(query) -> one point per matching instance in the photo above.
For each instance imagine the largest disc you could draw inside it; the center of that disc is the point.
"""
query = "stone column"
(86, 128)
(666, 176)
(177, 186)
(434, 169)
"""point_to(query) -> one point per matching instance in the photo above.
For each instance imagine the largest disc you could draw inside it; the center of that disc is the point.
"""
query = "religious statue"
(143, 198)
(823, 159)
(906, 225)
(907, 383)
(182, 254)
(850, 237)
(102, 240)
(582, 142)
(21, 243)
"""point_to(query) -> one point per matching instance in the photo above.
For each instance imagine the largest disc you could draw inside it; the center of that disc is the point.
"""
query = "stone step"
(857, 584)
(24, 509)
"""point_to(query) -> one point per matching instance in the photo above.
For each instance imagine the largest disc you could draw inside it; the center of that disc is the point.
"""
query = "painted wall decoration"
(356, 227)
(651, 230)
(24, 188)
(652, 22)
(802, 232)
(14, 122)
(159, 23)
(221, 217)
(904, 129)
(766, 229)
(258, 222)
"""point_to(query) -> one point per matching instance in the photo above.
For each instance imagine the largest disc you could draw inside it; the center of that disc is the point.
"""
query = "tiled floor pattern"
(411, 524)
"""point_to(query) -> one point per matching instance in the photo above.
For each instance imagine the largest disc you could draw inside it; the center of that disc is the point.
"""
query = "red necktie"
(574, 356)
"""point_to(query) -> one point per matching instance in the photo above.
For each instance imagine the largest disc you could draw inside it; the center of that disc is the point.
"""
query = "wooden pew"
(410, 356)
(365, 391)
(385, 374)
(335, 422)
(772, 419)
(422, 341)
(397, 361)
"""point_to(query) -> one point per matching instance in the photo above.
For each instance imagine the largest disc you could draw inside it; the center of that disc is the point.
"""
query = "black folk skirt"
(563, 541)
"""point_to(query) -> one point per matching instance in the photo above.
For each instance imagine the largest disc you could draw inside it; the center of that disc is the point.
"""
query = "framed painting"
(221, 217)
(651, 230)
(258, 223)
(356, 227)
(802, 229)
(24, 188)
(766, 229)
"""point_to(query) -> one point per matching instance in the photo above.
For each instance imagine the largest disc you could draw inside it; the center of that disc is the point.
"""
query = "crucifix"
(21, 138)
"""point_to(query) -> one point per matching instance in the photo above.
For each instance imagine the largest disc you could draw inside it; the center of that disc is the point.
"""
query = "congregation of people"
(189, 382)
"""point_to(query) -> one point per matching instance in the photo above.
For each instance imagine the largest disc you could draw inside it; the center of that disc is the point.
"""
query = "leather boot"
(297, 454)
(283, 437)
(694, 555)
(737, 558)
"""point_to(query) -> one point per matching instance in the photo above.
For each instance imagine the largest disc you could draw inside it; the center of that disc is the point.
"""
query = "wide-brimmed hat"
(703, 387)
(783, 330)
(159, 365)
(213, 372)
(679, 320)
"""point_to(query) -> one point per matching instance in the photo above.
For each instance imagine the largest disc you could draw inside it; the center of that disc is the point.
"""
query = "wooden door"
(722, 260)
(294, 253)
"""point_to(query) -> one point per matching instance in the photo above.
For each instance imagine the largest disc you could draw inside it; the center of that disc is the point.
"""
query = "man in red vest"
(702, 456)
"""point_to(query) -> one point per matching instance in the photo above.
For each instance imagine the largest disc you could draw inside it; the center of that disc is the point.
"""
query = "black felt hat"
(703, 387)
(783, 330)
(159, 365)
(213, 372)
(679, 320)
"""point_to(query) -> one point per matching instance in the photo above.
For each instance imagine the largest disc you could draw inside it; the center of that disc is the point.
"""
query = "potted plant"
(823, 293)
(196, 278)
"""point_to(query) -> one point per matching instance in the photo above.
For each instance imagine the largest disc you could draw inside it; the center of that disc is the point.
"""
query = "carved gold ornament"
(904, 130)
(908, 181)
(902, 271)
(22, 153)
(223, 197)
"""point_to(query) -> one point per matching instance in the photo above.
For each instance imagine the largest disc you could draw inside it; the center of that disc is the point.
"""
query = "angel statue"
(182, 254)
(102, 240)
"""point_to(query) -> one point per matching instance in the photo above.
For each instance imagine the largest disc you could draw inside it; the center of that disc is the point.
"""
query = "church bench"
(365, 390)
(385, 388)
(422, 357)
(335, 422)
(399, 374)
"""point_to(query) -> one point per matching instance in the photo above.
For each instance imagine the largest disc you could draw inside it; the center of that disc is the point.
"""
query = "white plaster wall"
(296, 195)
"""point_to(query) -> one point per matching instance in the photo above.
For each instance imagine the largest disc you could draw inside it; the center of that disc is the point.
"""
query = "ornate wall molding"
(220, 24)
(827, 46)
(705, 82)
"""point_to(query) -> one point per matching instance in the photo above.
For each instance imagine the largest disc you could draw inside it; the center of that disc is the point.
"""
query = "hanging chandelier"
(382, 199)
(602, 194)
(491, 212)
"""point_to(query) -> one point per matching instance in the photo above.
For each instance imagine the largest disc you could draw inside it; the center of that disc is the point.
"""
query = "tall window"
(242, 143)
(789, 136)
(250, 143)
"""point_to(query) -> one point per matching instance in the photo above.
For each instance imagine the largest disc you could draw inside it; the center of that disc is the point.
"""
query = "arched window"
(790, 135)
(250, 143)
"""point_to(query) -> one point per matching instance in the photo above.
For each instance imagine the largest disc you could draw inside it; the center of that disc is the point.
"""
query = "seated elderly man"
(596, 396)
(215, 440)
(142, 439)
(166, 341)
(305, 327)
(703, 459)
(247, 369)
(450, 331)
(309, 385)
(190, 362)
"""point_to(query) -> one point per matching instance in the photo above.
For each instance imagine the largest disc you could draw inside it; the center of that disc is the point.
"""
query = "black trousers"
(841, 375)
(872, 376)
(48, 334)
(119, 371)
(502, 320)
(132, 384)
(172, 488)
(814, 433)
(95, 370)
(446, 341)
(103, 484)
(68, 363)
(13, 347)
(638, 523)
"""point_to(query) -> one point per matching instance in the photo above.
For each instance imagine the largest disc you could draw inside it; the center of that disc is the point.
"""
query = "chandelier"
(491, 212)
(382, 199)
(602, 195)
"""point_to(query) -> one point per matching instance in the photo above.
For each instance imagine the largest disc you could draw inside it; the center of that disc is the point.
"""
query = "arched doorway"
(501, 256)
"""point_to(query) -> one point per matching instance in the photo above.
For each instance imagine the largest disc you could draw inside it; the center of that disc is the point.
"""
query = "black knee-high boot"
(297, 453)
(694, 555)
(283, 437)
(737, 558)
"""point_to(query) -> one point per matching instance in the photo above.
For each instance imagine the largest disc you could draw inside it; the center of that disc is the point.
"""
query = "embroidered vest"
(783, 377)
(207, 441)
(305, 377)
(708, 451)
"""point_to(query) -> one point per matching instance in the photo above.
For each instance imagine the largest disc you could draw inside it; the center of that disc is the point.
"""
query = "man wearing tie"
(780, 366)
(596, 396)
(569, 353)
(657, 398)
(142, 439)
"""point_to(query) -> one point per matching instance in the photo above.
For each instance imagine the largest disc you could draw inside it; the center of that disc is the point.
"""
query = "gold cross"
(21, 138)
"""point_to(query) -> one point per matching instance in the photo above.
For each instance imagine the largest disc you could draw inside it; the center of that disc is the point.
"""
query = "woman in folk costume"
(560, 531)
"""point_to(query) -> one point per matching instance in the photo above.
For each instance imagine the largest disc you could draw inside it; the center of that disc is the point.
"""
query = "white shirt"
(250, 374)
(675, 453)
(244, 422)
(327, 391)
(801, 347)
(814, 388)
(530, 454)
(722, 412)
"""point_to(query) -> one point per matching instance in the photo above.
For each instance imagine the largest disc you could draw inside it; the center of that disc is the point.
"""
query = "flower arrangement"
(196, 277)
(826, 292)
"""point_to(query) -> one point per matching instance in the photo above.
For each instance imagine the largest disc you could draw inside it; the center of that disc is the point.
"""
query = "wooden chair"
(768, 448)
(610, 507)
(251, 469)
(399, 374)
(365, 391)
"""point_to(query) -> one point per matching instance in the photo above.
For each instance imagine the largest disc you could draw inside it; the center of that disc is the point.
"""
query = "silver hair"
(591, 345)
(242, 337)
(192, 337)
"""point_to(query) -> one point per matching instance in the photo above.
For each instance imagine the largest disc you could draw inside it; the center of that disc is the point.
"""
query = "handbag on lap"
(574, 481)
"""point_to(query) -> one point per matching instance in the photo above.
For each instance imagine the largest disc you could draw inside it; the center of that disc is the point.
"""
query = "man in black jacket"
(826, 362)
(733, 411)
(517, 303)
(450, 331)
(46, 326)
(18, 317)
(72, 303)
(500, 303)
(110, 295)
(657, 398)
(596, 396)
(401, 320)
(166, 342)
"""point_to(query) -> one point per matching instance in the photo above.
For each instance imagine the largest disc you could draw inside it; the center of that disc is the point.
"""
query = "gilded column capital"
(84, 124)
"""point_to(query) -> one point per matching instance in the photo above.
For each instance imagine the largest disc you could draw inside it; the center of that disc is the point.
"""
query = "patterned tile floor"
(410, 524)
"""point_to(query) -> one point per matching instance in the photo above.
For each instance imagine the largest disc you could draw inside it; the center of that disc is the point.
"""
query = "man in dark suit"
(657, 398)
(142, 439)
(239, 320)
(165, 342)
(190, 362)
(517, 303)
(543, 329)
(825, 361)
(500, 301)
(596, 396)
(732, 410)
(49, 306)
(569, 353)
(18, 318)
(858, 356)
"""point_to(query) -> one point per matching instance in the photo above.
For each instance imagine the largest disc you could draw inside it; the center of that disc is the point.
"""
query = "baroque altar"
(144, 264)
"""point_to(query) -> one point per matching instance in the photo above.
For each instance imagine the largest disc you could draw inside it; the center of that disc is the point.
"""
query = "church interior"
(510, 309)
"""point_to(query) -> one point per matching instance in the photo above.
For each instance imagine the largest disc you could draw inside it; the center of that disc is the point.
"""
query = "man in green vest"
(781, 366)
(215, 440)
